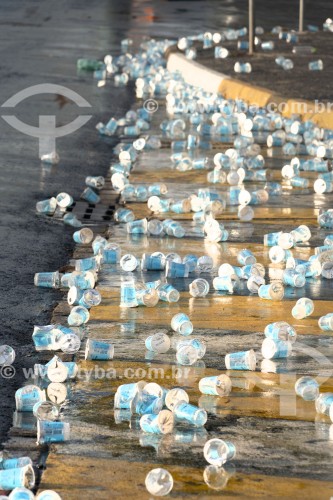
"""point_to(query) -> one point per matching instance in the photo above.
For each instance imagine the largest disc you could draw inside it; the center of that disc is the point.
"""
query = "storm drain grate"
(88, 213)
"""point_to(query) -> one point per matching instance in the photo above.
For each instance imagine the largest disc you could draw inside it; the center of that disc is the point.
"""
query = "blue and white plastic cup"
(168, 293)
(139, 226)
(83, 280)
(124, 215)
(52, 432)
(157, 189)
(218, 385)
(205, 264)
(56, 370)
(185, 412)
(163, 423)
(125, 394)
(158, 205)
(294, 279)
(64, 200)
(88, 264)
(46, 207)
(74, 293)
(187, 355)
(153, 262)
(71, 220)
(199, 287)
(90, 196)
(70, 343)
(98, 244)
(274, 291)
(156, 390)
(225, 283)
(96, 182)
(245, 257)
(47, 280)
(234, 194)
(176, 270)
(128, 293)
(159, 482)
(20, 477)
(316, 65)
(243, 360)
(278, 254)
(129, 262)
(26, 397)
(181, 206)
(281, 330)
(83, 236)
(323, 403)
(141, 193)
(174, 396)
(78, 316)
(326, 322)
(175, 229)
(304, 307)
(110, 253)
(174, 257)
(159, 342)
(301, 234)
(46, 338)
(148, 298)
(90, 298)
(99, 350)
(46, 410)
(181, 323)
(7, 355)
(275, 349)
(218, 452)
(286, 241)
(144, 403)
(229, 270)
(300, 182)
(155, 227)
(253, 270)
(307, 388)
(254, 283)
(199, 346)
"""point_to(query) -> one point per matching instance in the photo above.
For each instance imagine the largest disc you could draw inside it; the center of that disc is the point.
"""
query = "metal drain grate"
(88, 213)
(93, 213)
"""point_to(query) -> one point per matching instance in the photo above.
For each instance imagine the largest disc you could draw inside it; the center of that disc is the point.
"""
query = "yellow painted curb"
(233, 89)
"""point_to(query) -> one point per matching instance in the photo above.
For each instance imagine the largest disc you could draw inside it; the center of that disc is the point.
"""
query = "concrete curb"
(209, 80)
